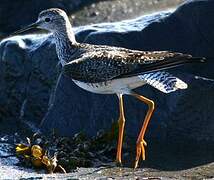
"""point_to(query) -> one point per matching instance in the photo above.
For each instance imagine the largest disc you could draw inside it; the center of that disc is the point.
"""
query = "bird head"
(52, 20)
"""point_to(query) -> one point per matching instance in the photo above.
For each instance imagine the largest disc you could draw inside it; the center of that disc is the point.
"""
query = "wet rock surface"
(180, 136)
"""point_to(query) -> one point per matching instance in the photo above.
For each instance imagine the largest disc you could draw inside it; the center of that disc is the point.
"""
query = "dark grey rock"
(27, 76)
(29, 72)
(16, 14)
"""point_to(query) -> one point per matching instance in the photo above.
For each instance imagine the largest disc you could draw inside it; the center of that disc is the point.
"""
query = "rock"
(27, 77)
(113, 11)
(29, 72)
(16, 14)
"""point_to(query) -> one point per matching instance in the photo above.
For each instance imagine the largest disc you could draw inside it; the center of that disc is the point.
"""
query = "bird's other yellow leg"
(121, 122)
(141, 143)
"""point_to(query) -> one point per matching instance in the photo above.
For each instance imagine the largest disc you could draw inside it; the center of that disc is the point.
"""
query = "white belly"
(117, 86)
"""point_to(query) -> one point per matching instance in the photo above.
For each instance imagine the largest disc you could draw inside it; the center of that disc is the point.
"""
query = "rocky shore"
(32, 91)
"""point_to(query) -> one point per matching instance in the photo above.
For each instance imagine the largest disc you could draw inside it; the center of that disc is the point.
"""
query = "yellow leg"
(141, 143)
(121, 123)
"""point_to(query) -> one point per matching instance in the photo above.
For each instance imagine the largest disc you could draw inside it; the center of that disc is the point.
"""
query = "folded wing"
(102, 65)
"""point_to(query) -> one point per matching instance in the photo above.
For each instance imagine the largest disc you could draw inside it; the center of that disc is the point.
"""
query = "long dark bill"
(31, 26)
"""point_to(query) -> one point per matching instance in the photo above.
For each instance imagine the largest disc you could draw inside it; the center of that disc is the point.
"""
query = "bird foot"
(140, 150)
(118, 163)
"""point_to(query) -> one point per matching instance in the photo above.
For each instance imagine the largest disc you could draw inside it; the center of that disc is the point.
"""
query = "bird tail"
(163, 81)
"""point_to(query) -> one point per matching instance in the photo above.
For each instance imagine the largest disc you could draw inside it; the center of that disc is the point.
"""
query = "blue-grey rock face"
(27, 76)
(29, 70)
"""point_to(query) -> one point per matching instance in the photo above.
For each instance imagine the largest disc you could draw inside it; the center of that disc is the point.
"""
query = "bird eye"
(47, 19)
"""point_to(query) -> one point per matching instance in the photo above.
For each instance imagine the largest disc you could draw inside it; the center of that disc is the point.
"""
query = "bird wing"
(100, 65)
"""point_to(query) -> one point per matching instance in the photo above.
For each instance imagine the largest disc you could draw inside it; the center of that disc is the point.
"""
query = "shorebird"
(112, 70)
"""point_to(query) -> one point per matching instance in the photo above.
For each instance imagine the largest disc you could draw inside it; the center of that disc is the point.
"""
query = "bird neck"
(65, 43)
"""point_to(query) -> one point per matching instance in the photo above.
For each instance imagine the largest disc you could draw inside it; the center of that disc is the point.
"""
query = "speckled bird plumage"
(93, 64)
